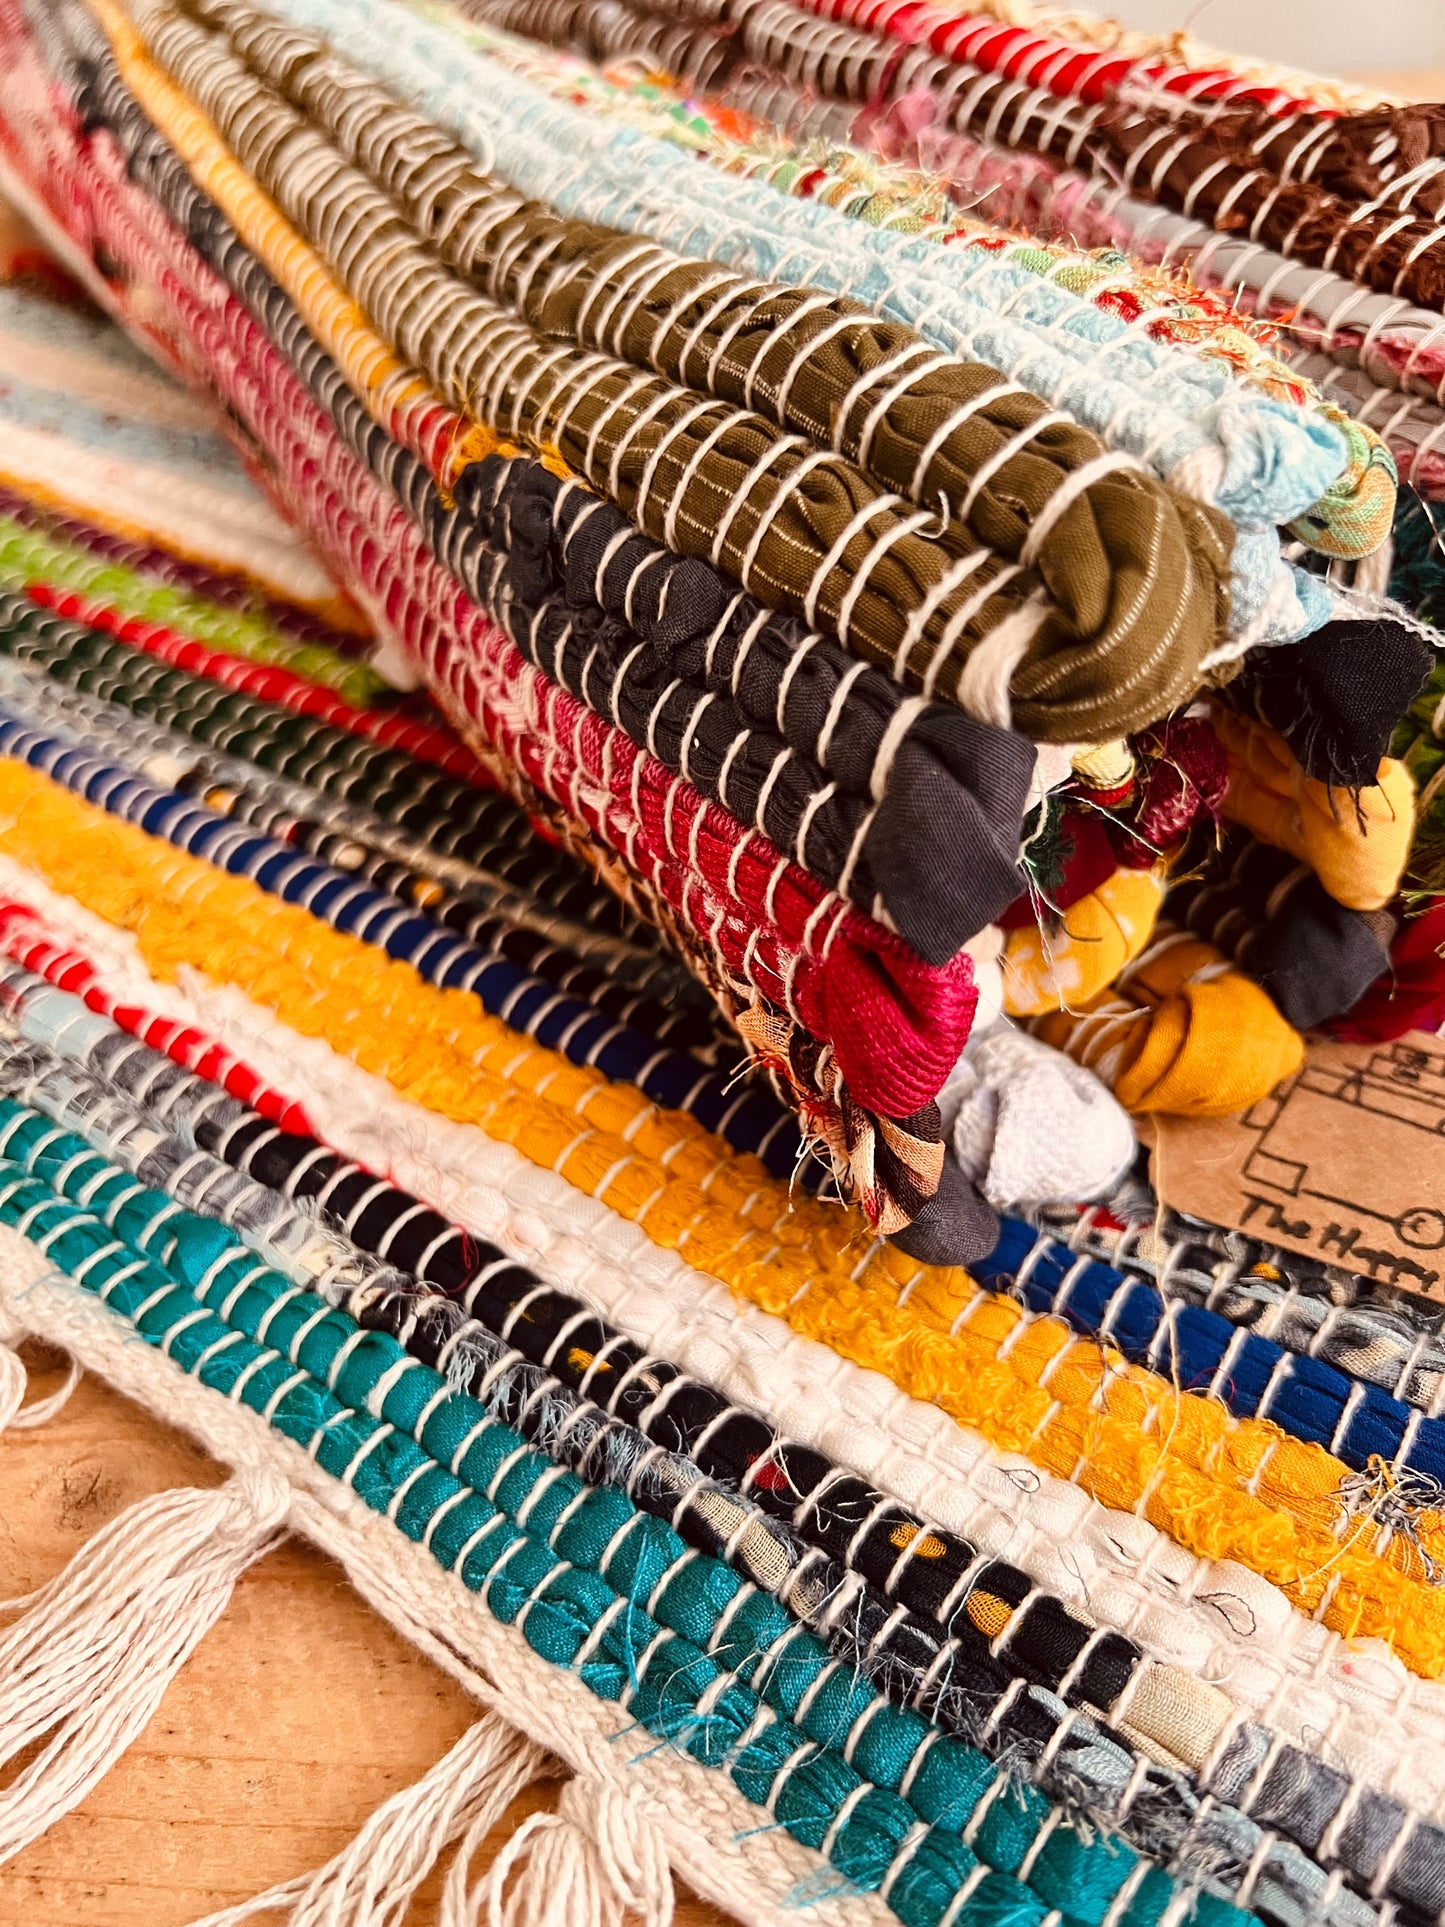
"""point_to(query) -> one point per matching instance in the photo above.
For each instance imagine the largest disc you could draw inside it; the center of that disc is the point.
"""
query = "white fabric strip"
(1214, 1619)
(133, 393)
(215, 527)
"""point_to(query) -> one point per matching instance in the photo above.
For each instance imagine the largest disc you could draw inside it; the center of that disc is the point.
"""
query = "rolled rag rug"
(1357, 842)
(1270, 914)
(892, 1163)
(1054, 99)
(912, 810)
(1187, 64)
(1202, 156)
(486, 681)
(892, 1166)
(1258, 498)
(1062, 97)
(721, 481)
(1362, 350)
(1182, 1032)
(803, 152)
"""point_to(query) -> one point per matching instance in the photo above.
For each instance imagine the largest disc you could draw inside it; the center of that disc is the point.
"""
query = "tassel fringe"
(88, 1662)
(593, 1861)
(372, 1881)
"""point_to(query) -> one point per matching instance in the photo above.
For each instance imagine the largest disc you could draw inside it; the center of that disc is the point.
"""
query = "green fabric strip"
(28, 557)
(478, 1495)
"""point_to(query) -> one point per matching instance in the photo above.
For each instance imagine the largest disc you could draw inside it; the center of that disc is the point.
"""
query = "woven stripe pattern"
(816, 640)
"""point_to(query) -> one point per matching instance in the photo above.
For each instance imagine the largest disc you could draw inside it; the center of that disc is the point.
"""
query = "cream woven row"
(1215, 1620)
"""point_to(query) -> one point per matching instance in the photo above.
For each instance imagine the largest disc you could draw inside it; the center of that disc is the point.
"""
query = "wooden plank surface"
(296, 1716)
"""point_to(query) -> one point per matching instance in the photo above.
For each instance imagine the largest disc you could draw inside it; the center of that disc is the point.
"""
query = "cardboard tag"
(1345, 1162)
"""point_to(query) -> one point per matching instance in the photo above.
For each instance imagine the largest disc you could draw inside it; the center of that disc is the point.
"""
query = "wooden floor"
(297, 1715)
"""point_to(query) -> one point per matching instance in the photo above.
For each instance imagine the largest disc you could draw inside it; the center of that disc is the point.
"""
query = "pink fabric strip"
(897, 1025)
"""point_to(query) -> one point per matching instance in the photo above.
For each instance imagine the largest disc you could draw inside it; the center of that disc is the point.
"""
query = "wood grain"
(296, 1716)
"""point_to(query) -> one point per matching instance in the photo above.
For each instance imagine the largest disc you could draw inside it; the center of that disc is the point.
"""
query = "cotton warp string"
(855, 1621)
(255, 1306)
(628, 436)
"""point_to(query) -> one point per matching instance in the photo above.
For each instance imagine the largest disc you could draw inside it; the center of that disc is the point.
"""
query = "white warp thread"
(1355, 1702)
(717, 1841)
(1213, 1618)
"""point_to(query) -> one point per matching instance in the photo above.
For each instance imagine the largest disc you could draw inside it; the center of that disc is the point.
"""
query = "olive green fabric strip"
(1118, 590)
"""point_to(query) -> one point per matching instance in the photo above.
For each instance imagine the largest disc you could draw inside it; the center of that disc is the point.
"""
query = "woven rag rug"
(661, 672)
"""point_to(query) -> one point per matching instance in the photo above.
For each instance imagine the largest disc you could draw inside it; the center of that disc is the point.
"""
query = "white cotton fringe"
(639, 1799)
(1354, 1703)
(591, 1860)
(372, 1881)
(90, 1658)
(15, 1414)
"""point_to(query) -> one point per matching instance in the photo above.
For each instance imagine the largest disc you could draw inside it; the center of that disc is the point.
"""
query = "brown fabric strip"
(601, 30)
(1200, 171)
(1217, 168)
(1386, 154)
(814, 366)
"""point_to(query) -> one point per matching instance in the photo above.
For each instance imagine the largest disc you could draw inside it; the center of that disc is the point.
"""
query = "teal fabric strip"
(514, 1526)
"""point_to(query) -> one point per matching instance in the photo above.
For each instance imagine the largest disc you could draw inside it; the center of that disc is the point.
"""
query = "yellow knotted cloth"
(1355, 842)
(1182, 1032)
(1071, 963)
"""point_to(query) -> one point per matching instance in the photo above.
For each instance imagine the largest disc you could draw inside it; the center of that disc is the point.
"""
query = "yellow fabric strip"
(1182, 1032)
(395, 394)
(1356, 842)
(1225, 1488)
(1066, 966)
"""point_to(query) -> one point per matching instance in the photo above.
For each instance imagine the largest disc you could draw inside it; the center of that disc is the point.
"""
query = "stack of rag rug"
(668, 674)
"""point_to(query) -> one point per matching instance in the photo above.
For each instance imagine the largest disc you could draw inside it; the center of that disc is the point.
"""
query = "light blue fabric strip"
(1263, 462)
(178, 451)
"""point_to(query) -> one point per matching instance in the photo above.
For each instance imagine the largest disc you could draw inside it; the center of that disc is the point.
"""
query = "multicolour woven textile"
(658, 668)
